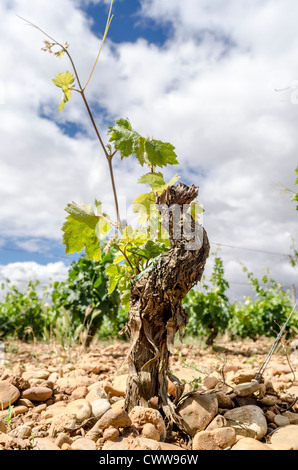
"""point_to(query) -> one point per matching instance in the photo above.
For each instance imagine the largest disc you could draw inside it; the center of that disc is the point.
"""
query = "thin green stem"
(109, 20)
(81, 91)
(124, 254)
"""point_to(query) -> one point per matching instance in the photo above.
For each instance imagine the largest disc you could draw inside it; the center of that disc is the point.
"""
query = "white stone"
(81, 408)
(248, 421)
(100, 406)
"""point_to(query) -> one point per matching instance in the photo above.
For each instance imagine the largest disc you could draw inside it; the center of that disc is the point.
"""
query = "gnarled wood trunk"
(156, 313)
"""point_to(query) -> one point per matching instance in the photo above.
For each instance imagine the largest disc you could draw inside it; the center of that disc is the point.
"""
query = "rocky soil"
(50, 400)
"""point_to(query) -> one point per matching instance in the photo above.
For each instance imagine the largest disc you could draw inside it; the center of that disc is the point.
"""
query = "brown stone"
(224, 401)
(83, 444)
(140, 416)
(44, 443)
(217, 439)
(285, 438)
(8, 394)
(37, 393)
(247, 443)
(131, 443)
(150, 432)
(110, 434)
(117, 418)
(197, 411)
(80, 392)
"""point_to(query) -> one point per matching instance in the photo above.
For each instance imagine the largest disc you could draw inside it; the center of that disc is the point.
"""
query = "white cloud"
(20, 273)
(209, 90)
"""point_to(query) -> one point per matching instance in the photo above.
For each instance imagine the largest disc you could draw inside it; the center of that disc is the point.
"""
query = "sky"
(201, 75)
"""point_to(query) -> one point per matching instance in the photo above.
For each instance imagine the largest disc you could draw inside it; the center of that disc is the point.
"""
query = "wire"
(275, 253)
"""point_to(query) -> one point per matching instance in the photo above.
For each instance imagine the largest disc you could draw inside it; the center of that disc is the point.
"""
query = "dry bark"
(156, 313)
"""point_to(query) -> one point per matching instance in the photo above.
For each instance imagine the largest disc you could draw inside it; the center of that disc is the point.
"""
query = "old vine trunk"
(156, 313)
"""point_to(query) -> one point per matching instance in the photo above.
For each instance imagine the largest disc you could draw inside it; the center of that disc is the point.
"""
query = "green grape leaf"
(114, 273)
(63, 81)
(154, 248)
(154, 180)
(148, 151)
(125, 139)
(144, 204)
(165, 186)
(141, 152)
(195, 210)
(160, 153)
(79, 231)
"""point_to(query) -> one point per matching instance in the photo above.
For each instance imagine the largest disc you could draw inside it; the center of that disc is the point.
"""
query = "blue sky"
(128, 24)
(197, 74)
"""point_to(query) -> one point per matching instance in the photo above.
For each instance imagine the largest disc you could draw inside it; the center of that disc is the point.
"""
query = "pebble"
(99, 407)
(140, 416)
(81, 408)
(71, 383)
(246, 389)
(169, 446)
(210, 382)
(96, 393)
(37, 393)
(53, 377)
(44, 443)
(217, 439)
(16, 410)
(269, 400)
(116, 417)
(40, 408)
(241, 377)
(285, 438)
(62, 423)
(25, 402)
(248, 421)
(118, 388)
(83, 444)
(197, 411)
(23, 432)
(36, 374)
(293, 417)
(8, 394)
(19, 382)
(95, 368)
(150, 432)
(281, 420)
(218, 422)
(3, 427)
(80, 392)
(53, 410)
(224, 401)
(65, 446)
(9, 442)
(63, 438)
(248, 443)
(131, 443)
(110, 434)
